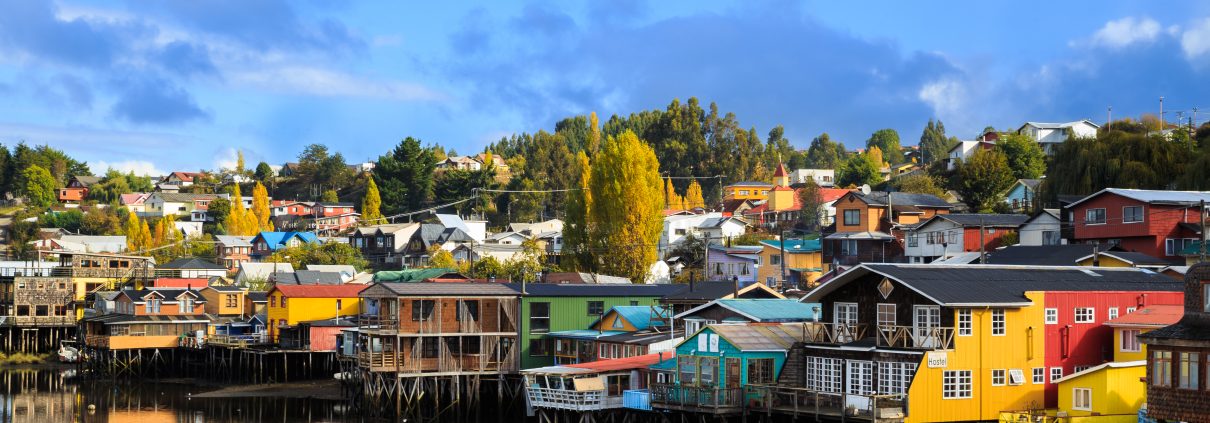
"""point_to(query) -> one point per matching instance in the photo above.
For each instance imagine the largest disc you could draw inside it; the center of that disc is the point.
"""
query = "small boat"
(68, 352)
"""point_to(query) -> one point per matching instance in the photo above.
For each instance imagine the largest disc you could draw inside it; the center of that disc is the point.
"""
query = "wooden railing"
(832, 333)
(37, 320)
(240, 341)
(929, 338)
(802, 401)
(563, 399)
(696, 398)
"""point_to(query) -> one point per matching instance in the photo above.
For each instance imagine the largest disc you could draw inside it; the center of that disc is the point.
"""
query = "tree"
(330, 196)
(858, 170)
(875, 155)
(984, 179)
(577, 249)
(219, 209)
(626, 207)
(136, 238)
(260, 207)
(1025, 157)
(71, 220)
(918, 183)
(441, 258)
(486, 268)
(100, 221)
(527, 264)
(405, 176)
(371, 203)
(239, 221)
(320, 253)
(887, 140)
(40, 187)
(322, 171)
(672, 200)
(264, 172)
(693, 196)
(812, 212)
(934, 146)
(825, 154)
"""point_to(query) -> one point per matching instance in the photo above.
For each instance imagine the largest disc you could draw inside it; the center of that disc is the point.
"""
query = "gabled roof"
(992, 285)
(168, 294)
(1135, 259)
(628, 363)
(234, 240)
(436, 289)
(254, 270)
(183, 197)
(1040, 255)
(717, 222)
(307, 277)
(794, 245)
(1048, 125)
(191, 263)
(713, 290)
(134, 198)
(761, 310)
(318, 291)
(978, 219)
(766, 337)
(641, 317)
(1032, 184)
(86, 180)
(1151, 196)
(1045, 212)
(277, 240)
(414, 275)
(781, 170)
(880, 198)
(1094, 369)
(1152, 316)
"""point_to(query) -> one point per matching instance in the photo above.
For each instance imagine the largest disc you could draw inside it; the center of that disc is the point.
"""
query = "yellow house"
(802, 262)
(1127, 328)
(1109, 393)
(1122, 259)
(748, 190)
(224, 300)
(291, 304)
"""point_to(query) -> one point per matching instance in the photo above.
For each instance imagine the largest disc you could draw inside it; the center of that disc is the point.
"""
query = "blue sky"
(179, 85)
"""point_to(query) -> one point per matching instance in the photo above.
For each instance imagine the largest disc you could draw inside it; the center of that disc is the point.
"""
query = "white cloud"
(327, 83)
(139, 167)
(226, 158)
(1195, 41)
(1126, 31)
(946, 96)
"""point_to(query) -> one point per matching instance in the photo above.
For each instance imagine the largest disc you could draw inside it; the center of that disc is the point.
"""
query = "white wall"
(953, 236)
(1032, 233)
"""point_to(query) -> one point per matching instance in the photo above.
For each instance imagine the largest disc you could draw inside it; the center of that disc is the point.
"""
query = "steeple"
(781, 178)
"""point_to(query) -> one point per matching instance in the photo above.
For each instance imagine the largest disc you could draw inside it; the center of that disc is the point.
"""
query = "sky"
(172, 85)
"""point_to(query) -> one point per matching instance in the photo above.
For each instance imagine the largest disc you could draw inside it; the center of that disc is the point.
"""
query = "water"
(54, 394)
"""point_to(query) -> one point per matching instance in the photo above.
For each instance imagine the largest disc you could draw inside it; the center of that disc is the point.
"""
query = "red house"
(1156, 223)
(1075, 331)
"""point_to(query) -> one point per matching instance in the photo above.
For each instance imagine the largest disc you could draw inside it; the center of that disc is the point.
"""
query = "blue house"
(745, 310)
(1021, 196)
(714, 364)
(267, 243)
(623, 331)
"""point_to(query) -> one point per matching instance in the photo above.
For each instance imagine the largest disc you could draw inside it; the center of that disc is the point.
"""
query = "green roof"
(411, 275)
(1191, 249)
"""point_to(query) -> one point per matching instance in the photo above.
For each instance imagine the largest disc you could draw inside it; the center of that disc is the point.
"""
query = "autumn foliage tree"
(577, 248)
(371, 204)
(626, 214)
(693, 196)
(260, 207)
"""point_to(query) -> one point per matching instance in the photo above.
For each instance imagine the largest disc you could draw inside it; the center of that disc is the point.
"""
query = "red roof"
(781, 170)
(636, 362)
(832, 194)
(186, 176)
(1153, 315)
(196, 283)
(319, 291)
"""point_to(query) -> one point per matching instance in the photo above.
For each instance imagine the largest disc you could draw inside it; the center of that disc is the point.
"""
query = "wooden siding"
(566, 313)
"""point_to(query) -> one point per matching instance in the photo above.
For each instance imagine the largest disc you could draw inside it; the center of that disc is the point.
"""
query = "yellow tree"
(594, 137)
(132, 231)
(260, 207)
(693, 196)
(875, 155)
(371, 204)
(237, 219)
(673, 202)
(144, 236)
(625, 217)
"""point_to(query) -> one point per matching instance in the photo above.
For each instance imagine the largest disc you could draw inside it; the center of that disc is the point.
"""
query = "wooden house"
(593, 386)
(149, 318)
(744, 310)
(291, 304)
(870, 227)
(1177, 356)
(624, 331)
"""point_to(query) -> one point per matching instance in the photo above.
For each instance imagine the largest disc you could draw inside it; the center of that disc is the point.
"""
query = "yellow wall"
(1020, 348)
(1115, 391)
(793, 261)
(216, 302)
(754, 193)
(1119, 355)
(308, 309)
(781, 199)
(1105, 261)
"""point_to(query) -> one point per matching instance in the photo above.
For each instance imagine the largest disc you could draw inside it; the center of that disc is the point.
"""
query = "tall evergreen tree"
(824, 153)
(887, 140)
(405, 176)
(933, 144)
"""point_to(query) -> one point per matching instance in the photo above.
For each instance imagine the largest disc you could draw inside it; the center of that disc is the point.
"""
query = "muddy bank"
(319, 389)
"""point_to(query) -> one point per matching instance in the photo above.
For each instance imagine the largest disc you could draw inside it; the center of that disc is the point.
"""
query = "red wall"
(970, 239)
(1159, 222)
(324, 338)
(1088, 344)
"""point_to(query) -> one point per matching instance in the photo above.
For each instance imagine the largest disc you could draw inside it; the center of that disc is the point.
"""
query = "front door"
(844, 320)
(925, 321)
(733, 373)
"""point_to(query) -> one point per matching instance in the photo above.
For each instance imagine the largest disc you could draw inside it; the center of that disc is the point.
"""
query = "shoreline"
(328, 389)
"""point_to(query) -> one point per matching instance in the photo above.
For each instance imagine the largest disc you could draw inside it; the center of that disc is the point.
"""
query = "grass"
(23, 358)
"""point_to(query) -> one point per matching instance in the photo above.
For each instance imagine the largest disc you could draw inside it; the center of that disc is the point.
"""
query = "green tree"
(40, 187)
(934, 145)
(858, 170)
(264, 172)
(918, 183)
(527, 264)
(371, 204)
(1025, 157)
(219, 209)
(329, 196)
(825, 154)
(441, 258)
(984, 179)
(887, 140)
(71, 220)
(100, 221)
(577, 246)
(486, 268)
(813, 209)
(405, 176)
(322, 171)
(320, 253)
(626, 206)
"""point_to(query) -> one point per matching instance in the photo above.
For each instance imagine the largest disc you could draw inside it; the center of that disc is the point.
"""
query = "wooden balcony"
(129, 342)
(909, 337)
(490, 360)
(238, 341)
(832, 333)
(805, 402)
(38, 321)
(563, 399)
(699, 399)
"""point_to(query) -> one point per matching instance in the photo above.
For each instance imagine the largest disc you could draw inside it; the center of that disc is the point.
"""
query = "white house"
(255, 273)
(506, 238)
(822, 177)
(714, 224)
(722, 227)
(194, 206)
(946, 235)
(536, 228)
(1050, 135)
(1042, 229)
(963, 151)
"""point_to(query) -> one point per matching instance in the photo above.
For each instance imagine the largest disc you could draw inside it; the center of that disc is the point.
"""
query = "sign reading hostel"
(938, 359)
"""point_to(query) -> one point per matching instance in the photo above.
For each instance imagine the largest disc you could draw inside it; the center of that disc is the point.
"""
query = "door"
(925, 321)
(844, 320)
(733, 373)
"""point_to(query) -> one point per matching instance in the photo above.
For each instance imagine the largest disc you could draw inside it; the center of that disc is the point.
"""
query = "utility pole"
(982, 245)
(1109, 120)
(783, 259)
(1202, 225)
(1161, 113)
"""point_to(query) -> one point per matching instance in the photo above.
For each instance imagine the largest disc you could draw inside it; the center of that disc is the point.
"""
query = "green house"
(547, 308)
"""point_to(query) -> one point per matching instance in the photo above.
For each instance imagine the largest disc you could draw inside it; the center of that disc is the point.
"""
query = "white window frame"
(956, 384)
(1081, 399)
(1113, 313)
(1085, 315)
(859, 377)
(999, 377)
(1052, 316)
(894, 378)
(1039, 375)
(1056, 373)
(966, 325)
(1016, 377)
(1091, 212)
(1129, 341)
(887, 314)
(999, 322)
(1130, 309)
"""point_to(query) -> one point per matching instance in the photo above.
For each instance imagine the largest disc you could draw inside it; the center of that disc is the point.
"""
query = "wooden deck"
(803, 402)
(131, 342)
(696, 399)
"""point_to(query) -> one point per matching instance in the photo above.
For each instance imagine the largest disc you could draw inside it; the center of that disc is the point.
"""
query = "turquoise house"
(1021, 196)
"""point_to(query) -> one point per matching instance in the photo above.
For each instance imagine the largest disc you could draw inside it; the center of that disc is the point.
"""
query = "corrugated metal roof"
(1152, 196)
(795, 245)
(776, 337)
(1040, 255)
(319, 291)
(641, 316)
(636, 362)
(449, 288)
(771, 310)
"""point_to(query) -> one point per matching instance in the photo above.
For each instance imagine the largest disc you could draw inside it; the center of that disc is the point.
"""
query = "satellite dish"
(865, 189)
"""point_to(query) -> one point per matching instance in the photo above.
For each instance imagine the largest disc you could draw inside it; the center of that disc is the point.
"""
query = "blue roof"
(794, 245)
(771, 310)
(584, 333)
(640, 316)
(278, 240)
(669, 362)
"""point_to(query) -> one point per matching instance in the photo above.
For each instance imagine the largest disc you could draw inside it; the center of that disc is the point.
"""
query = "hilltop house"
(266, 243)
(230, 251)
(872, 227)
(161, 204)
(949, 235)
(1022, 195)
(1050, 135)
(77, 188)
(802, 264)
(1153, 222)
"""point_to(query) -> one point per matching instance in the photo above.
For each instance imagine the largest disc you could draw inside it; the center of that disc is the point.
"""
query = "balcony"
(637, 399)
(702, 399)
(563, 399)
(833, 333)
(38, 321)
(805, 402)
(238, 341)
(910, 337)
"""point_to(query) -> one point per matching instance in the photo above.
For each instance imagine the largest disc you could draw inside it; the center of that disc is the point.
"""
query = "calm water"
(56, 395)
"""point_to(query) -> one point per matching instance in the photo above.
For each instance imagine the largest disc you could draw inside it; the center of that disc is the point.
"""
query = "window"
(1085, 314)
(1052, 316)
(186, 305)
(956, 384)
(707, 368)
(886, 314)
(680, 231)
(848, 247)
(1130, 340)
(539, 348)
(895, 377)
(1094, 216)
(272, 301)
(1188, 370)
(1039, 375)
(999, 326)
(913, 241)
(283, 301)
(422, 309)
(1050, 238)
(760, 371)
(539, 317)
(1016, 377)
(1161, 368)
(232, 300)
(861, 377)
(1130, 310)
(1081, 399)
(468, 310)
(965, 326)
(852, 217)
(429, 347)
(596, 308)
(998, 377)
(1056, 373)
(688, 369)
(1173, 246)
(153, 306)
(824, 374)
(775, 260)
(1132, 214)
(1113, 313)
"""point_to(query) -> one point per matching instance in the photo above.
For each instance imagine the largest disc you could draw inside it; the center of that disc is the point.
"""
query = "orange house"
(870, 228)
(77, 188)
(149, 318)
